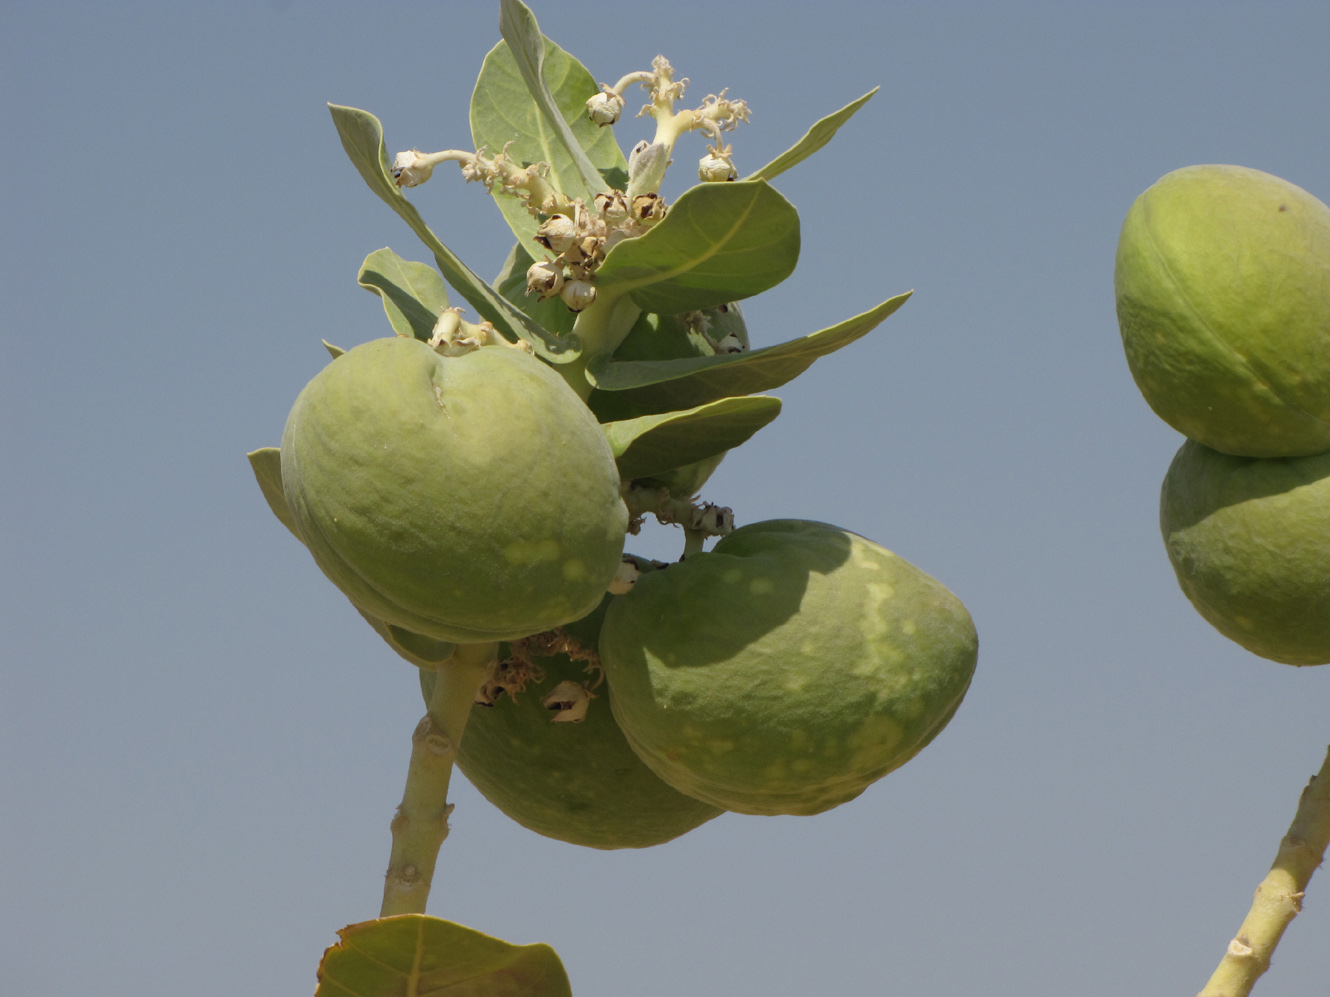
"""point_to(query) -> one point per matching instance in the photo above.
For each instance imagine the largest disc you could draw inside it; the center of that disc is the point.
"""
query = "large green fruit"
(464, 499)
(787, 669)
(577, 782)
(1250, 542)
(1223, 299)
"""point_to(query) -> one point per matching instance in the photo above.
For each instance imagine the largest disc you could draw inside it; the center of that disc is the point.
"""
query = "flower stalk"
(421, 822)
(1279, 897)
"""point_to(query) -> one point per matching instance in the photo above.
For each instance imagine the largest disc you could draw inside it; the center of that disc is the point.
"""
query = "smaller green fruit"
(575, 782)
(1223, 301)
(787, 669)
(1249, 540)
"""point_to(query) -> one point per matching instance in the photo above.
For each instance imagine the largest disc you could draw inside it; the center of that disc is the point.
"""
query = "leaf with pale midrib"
(656, 444)
(668, 385)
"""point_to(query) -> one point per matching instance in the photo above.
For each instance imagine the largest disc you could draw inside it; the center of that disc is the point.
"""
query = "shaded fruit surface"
(787, 669)
(1249, 541)
(464, 499)
(576, 782)
(1223, 300)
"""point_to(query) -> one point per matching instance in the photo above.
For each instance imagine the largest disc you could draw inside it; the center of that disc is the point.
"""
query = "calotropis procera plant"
(470, 488)
(1223, 300)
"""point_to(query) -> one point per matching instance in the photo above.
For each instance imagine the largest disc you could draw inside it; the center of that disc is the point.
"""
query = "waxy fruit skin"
(465, 499)
(576, 782)
(1223, 300)
(787, 669)
(1249, 541)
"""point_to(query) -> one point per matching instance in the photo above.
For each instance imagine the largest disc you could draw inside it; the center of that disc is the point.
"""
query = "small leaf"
(335, 351)
(656, 444)
(267, 465)
(667, 385)
(504, 118)
(413, 293)
(362, 138)
(720, 242)
(819, 135)
(413, 955)
(519, 29)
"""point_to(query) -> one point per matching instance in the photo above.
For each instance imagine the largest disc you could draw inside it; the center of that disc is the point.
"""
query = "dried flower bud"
(605, 108)
(612, 206)
(716, 165)
(648, 206)
(557, 234)
(544, 279)
(578, 294)
(411, 169)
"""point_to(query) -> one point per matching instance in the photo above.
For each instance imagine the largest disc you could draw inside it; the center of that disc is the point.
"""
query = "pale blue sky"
(201, 744)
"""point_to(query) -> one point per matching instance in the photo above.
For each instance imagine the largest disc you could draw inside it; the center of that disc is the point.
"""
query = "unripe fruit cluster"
(1223, 300)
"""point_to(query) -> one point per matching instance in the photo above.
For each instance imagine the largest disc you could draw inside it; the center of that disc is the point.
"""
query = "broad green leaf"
(413, 293)
(819, 135)
(504, 118)
(719, 242)
(413, 955)
(519, 29)
(335, 351)
(668, 385)
(267, 465)
(655, 444)
(362, 138)
(552, 313)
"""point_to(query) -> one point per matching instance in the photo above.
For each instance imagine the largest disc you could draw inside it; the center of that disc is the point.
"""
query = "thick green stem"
(1279, 897)
(601, 328)
(421, 823)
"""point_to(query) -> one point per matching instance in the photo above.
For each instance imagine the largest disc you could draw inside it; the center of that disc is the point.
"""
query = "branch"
(1279, 897)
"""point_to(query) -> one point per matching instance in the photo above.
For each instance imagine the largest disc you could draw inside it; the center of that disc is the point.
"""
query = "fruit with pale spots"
(787, 669)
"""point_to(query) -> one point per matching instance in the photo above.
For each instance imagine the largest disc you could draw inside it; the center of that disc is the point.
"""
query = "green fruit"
(787, 669)
(1223, 299)
(576, 782)
(1250, 542)
(465, 499)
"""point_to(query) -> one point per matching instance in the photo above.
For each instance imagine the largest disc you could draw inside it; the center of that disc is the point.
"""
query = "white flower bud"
(730, 344)
(605, 108)
(625, 578)
(557, 234)
(544, 279)
(411, 169)
(716, 165)
(578, 294)
(569, 700)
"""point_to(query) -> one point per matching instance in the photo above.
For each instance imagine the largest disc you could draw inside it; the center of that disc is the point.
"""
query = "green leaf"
(719, 242)
(819, 135)
(362, 138)
(519, 29)
(655, 444)
(667, 385)
(335, 351)
(267, 465)
(413, 955)
(413, 293)
(504, 118)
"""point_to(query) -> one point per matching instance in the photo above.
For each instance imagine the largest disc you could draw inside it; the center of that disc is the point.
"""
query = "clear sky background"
(201, 744)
